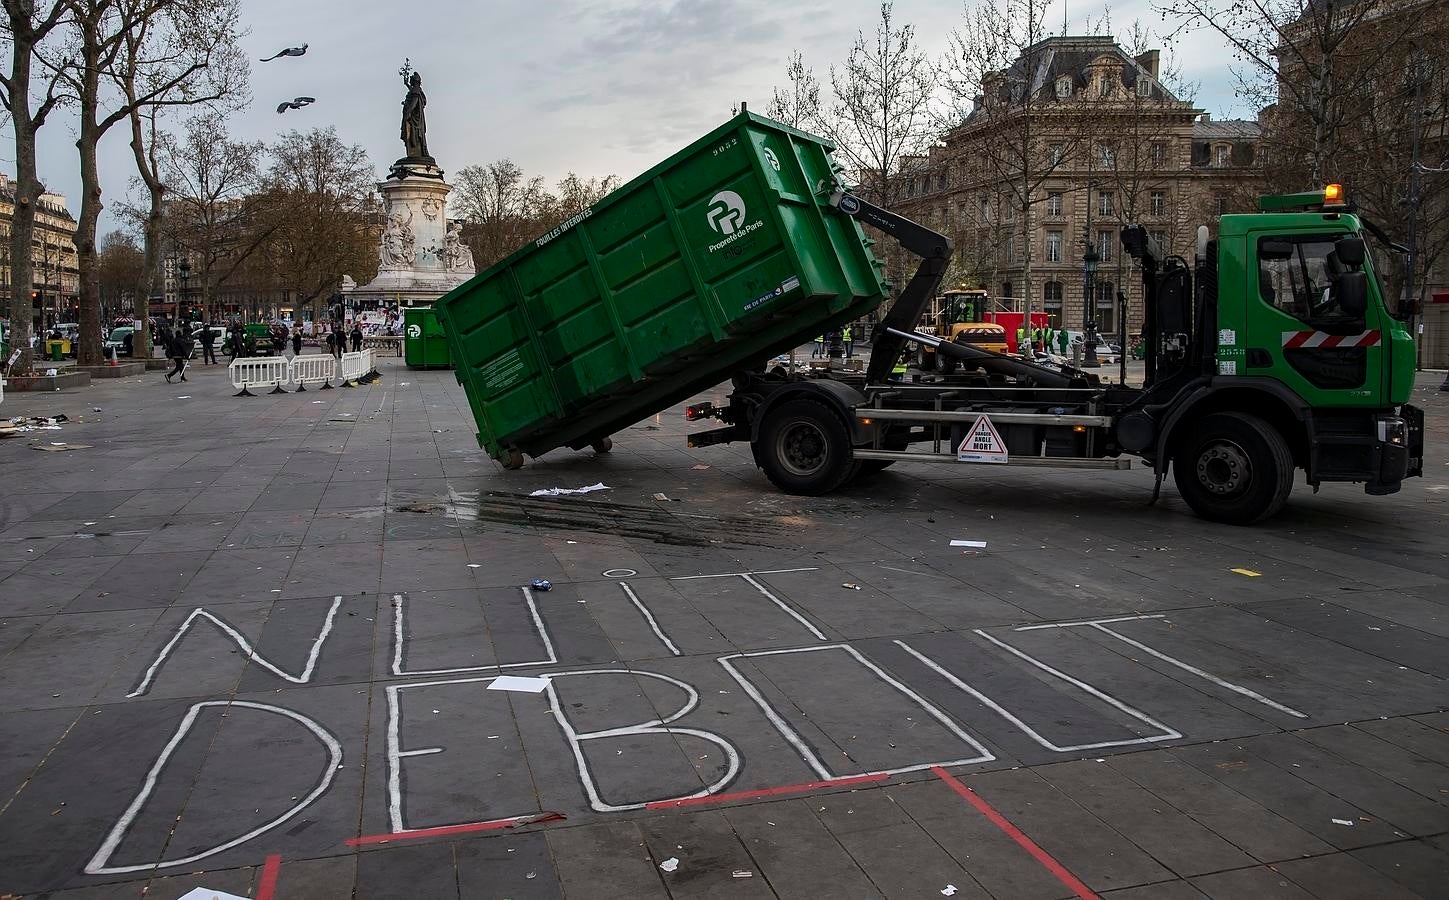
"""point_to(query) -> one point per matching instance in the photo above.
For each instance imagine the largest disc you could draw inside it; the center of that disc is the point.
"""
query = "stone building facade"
(1102, 142)
(56, 273)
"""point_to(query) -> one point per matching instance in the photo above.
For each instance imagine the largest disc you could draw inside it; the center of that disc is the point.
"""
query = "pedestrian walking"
(179, 352)
(296, 342)
(337, 340)
(356, 337)
(208, 345)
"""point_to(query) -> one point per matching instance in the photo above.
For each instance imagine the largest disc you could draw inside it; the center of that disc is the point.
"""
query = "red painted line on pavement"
(441, 830)
(1030, 846)
(267, 887)
(768, 792)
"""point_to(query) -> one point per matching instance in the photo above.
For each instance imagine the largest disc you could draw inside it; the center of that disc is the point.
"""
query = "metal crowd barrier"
(304, 370)
(258, 372)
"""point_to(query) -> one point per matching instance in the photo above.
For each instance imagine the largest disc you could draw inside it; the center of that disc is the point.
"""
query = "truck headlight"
(1393, 430)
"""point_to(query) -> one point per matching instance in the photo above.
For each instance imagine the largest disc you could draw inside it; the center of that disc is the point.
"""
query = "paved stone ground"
(1096, 703)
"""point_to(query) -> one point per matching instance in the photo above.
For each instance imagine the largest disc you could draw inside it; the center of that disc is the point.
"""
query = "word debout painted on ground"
(436, 708)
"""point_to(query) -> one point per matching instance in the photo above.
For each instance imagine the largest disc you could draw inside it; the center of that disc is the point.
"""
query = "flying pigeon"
(297, 103)
(290, 51)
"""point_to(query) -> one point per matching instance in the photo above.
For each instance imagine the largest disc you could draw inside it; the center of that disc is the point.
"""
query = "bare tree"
(121, 266)
(320, 197)
(503, 208)
(881, 109)
(112, 37)
(217, 210)
(25, 31)
(992, 74)
(575, 194)
(148, 61)
(797, 104)
(1301, 53)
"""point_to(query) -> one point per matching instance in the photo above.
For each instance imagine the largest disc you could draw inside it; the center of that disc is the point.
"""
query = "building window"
(941, 182)
(1159, 153)
(1051, 295)
(1010, 212)
(1104, 85)
(1144, 86)
(985, 210)
(1224, 154)
(1105, 240)
(1054, 246)
(1220, 204)
(1007, 292)
(1054, 204)
(1011, 250)
(1064, 88)
(1057, 153)
(1105, 203)
(1109, 156)
(1106, 312)
(1161, 238)
(1159, 203)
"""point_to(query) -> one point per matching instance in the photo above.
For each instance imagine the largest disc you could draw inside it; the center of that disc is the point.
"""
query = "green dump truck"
(1276, 350)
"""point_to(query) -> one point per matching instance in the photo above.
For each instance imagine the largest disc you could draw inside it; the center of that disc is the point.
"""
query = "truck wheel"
(925, 359)
(1233, 468)
(603, 445)
(513, 459)
(804, 448)
(949, 364)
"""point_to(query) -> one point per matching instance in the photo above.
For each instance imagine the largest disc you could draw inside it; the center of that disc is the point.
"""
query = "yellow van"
(986, 335)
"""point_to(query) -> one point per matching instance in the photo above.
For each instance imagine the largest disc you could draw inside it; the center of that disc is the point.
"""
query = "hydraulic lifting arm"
(935, 252)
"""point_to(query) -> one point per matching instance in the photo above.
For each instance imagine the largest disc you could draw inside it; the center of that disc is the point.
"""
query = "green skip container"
(425, 346)
(713, 261)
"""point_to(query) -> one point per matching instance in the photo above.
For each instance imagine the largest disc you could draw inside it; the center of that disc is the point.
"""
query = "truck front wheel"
(804, 448)
(1233, 468)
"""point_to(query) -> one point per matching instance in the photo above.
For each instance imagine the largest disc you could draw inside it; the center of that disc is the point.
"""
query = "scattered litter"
(319, 401)
(1348, 822)
(530, 874)
(1249, 573)
(201, 893)
(558, 492)
(405, 384)
(60, 448)
(948, 891)
(475, 565)
(670, 864)
(187, 397)
(979, 545)
(95, 409)
(742, 873)
(851, 586)
(541, 584)
(420, 508)
(699, 468)
(518, 683)
(662, 497)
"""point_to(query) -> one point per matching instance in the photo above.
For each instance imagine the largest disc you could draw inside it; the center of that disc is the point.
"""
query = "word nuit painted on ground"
(626, 752)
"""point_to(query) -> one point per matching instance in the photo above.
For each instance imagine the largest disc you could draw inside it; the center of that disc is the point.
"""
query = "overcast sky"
(593, 86)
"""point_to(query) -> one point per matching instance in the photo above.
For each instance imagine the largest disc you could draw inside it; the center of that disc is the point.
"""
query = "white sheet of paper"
(518, 683)
(206, 894)
(980, 545)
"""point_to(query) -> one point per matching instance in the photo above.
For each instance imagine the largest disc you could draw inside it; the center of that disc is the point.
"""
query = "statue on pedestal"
(414, 120)
(399, 244)
(457, 255)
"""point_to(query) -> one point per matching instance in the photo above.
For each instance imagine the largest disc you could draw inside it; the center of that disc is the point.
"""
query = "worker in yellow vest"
(819, 348)
(845, 337)
(898, 371)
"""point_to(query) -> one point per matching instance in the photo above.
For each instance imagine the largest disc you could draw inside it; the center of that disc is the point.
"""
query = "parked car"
(119, 340)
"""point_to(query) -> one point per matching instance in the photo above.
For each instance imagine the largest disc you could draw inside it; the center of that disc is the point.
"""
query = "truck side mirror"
(1350, 250)
(1352, 291)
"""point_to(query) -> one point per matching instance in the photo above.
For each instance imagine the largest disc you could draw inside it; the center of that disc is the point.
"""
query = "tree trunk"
(27, 195)
(86, 256)
(146, 168)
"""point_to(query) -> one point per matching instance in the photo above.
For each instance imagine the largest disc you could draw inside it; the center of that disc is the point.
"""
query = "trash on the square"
(851, 586)
(1348, 822)
(201, 893)
(670, 864)
(1249, 573)
(742, 873)
(663, 498)
(518, 683)
(699, 468)
(979, 545)
(948, 891)
(541, 584)
(59, 448)
(558, 491)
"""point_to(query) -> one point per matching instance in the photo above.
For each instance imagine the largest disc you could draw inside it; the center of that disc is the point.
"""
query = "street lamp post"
(1089, 321)
(183, 269)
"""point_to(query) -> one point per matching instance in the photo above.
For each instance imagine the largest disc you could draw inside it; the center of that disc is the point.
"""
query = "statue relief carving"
(431, 208)
(399, 244)
(457, 255)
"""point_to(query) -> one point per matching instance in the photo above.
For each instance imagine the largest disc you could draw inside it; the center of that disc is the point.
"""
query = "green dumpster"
(56, 349)
(425, 346)
(717, 259)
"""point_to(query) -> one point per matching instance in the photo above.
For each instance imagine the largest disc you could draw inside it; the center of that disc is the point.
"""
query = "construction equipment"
(1274, 350)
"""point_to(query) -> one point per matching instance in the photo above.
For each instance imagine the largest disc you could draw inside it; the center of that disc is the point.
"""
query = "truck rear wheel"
(804, 448)
(1233, 468)
(925, 359)
(513, 459)
(602, 445)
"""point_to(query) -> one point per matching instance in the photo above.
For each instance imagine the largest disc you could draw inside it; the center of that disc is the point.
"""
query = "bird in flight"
(290, 51)
(296, 103)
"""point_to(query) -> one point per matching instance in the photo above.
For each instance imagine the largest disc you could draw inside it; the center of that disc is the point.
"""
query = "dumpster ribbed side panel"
(715, 259)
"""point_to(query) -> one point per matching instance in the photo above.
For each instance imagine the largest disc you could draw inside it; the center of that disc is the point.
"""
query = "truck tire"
(925, 359)
(804, 448)
(1233, 468)
(602, 445)
(513, 459)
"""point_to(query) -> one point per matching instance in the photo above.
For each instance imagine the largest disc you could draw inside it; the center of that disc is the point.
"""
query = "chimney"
(1206, 117)
(1150, 61)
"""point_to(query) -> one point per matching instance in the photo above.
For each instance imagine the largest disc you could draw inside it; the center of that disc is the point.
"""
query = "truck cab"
(1279, 352)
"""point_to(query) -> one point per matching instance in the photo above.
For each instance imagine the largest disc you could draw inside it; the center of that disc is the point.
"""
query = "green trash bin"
(56, 349)
(424, 344)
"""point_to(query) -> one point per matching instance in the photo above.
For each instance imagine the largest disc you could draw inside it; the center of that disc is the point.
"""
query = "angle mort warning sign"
(983, 444)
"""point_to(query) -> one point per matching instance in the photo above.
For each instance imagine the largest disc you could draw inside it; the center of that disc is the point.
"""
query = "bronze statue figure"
(414, 122)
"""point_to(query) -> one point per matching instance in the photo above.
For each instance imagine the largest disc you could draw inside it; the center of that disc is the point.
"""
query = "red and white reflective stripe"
(1324, 339)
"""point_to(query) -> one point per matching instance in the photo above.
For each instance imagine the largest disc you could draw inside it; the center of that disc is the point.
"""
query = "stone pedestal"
(421, 255)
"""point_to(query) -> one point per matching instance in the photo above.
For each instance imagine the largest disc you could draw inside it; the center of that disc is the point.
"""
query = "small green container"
(716, 259)
(425, 346)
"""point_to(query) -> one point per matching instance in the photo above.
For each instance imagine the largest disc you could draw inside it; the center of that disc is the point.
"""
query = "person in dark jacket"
(297, 340)
(208, 345)
(177, 348)
(356, 338)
